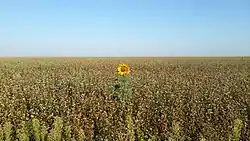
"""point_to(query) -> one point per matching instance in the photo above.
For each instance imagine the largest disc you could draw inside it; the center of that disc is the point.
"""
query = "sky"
(114, 28)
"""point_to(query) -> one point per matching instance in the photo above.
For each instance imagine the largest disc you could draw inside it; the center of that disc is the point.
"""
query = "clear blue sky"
(124, 27)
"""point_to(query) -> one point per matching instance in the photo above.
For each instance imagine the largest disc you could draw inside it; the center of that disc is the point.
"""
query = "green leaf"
(117, 86)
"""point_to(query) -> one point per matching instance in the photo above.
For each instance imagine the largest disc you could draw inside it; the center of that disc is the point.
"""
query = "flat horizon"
(83, 57)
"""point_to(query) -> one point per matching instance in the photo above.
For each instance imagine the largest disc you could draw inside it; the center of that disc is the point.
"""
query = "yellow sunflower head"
(123, 69)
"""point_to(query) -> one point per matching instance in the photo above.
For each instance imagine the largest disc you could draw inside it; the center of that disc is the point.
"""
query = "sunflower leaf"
(117, 86)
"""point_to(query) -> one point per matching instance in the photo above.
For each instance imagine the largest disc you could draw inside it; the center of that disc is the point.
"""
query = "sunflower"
(123, 69)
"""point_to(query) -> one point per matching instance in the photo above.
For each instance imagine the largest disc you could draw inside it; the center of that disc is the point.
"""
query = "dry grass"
(203, 95)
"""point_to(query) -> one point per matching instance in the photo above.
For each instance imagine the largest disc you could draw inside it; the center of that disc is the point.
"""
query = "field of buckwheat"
(176, 99)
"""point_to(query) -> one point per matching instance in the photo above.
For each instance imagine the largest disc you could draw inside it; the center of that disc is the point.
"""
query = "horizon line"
(116, 56)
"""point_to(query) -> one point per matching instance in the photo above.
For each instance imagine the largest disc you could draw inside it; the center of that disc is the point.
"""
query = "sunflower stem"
(126, 97)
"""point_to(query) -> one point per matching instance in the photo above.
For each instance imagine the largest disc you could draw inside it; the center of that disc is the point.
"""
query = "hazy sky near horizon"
(125, 28)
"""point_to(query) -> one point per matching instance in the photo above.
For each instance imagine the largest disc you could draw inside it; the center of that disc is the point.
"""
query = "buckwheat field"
(176, 99)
